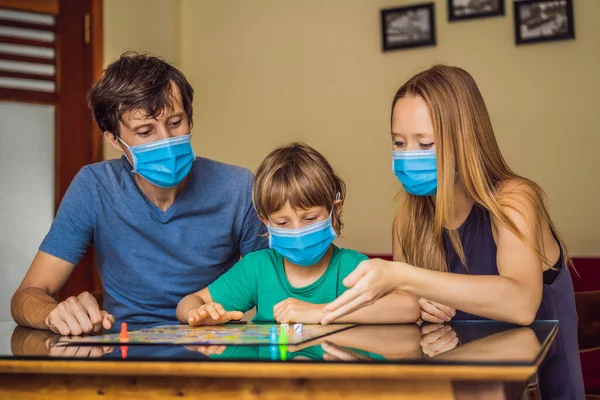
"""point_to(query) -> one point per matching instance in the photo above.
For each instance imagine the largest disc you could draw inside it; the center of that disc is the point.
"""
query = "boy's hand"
(294, 310)
(212, 314)
(207, 350)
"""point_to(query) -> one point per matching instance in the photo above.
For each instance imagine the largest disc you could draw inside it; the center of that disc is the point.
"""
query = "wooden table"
(495, 366)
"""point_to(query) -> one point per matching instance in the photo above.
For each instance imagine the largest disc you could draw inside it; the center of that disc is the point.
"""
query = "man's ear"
(114, 142)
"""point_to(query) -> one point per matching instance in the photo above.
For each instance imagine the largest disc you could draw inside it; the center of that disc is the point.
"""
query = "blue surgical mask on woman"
(416, 170)
(165, 162)
(303, 246)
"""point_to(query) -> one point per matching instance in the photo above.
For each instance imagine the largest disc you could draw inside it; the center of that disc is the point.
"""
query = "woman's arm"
(394, 308)
(513, 296)
(518, 344)
(430, 311)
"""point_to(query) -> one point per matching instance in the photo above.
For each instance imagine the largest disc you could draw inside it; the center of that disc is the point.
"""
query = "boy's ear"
(264, 221)
(337, 205)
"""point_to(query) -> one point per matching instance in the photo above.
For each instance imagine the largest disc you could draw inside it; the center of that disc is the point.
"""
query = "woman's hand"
(435, 312)
(370, 281)
(334, 352)
(437, 339)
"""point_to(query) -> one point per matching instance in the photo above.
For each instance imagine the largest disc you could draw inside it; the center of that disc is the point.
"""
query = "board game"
(251, 334)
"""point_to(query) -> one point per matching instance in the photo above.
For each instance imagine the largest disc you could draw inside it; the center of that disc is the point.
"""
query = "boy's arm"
(393, 342)
(192, 302)
(226, 299)
(396, 307)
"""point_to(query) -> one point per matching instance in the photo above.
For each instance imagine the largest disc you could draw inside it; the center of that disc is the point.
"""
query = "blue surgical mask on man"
(165, 162)
(416, 170)
(304, 246)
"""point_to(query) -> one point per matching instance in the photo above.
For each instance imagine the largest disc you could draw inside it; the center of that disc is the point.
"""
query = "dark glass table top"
(457, 343)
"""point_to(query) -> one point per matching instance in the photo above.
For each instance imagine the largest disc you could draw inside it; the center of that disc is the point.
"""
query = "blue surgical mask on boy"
(416, 170)
(303, 246)
(163, 163)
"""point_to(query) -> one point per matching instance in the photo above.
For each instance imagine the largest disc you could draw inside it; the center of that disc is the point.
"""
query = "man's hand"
(294, 310)
(78, 351)
(78, 315)
(35, 342)
(212, 314)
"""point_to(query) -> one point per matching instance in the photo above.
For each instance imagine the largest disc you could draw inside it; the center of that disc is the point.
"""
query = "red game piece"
(124, 335)
(123, 351)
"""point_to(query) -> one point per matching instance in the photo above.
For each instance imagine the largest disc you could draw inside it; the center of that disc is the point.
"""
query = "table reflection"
(458, 342)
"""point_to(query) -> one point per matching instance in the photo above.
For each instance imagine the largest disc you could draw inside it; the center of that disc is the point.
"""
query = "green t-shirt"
(261, 353)
(259, 280)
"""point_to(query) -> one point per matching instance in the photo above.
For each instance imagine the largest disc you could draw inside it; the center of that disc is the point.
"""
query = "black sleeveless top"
(560, 374)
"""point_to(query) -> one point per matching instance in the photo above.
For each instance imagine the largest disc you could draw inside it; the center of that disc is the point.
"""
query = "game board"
(251, 334)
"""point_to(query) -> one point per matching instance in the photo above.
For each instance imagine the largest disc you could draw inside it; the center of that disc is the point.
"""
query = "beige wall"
(142, 26)
(268, 72)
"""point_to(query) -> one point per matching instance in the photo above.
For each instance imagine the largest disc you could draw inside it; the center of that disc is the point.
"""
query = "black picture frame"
(453, 15)
(419, 14)
(562, 14)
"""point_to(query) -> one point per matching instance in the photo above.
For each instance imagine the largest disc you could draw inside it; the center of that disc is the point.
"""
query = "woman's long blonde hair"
(465, 143)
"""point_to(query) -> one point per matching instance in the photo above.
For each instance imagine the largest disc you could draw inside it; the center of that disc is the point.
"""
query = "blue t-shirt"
(149, 259)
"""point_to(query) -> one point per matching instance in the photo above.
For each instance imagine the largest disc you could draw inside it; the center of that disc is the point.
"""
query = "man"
(164, 223)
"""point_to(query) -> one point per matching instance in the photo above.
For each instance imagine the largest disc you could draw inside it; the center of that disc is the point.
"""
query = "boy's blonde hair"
(301, 175)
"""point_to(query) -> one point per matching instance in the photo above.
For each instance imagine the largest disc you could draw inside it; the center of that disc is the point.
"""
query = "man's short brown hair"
(137, 82)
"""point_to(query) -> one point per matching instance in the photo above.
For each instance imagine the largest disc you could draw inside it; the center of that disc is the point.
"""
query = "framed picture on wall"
(469, 9)
(408, 27)
(543, 21)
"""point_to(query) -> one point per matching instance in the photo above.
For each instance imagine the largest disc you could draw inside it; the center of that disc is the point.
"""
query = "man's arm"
(33, 304)
(70, 236)
(33, 300)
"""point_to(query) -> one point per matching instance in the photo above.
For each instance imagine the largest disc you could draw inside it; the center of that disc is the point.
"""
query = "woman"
(472, 239)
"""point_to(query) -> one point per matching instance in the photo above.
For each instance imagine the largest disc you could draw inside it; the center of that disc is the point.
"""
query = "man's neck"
(162, 198)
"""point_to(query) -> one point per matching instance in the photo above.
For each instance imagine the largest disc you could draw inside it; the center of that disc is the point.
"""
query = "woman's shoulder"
(522, 205)
(519, 192)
